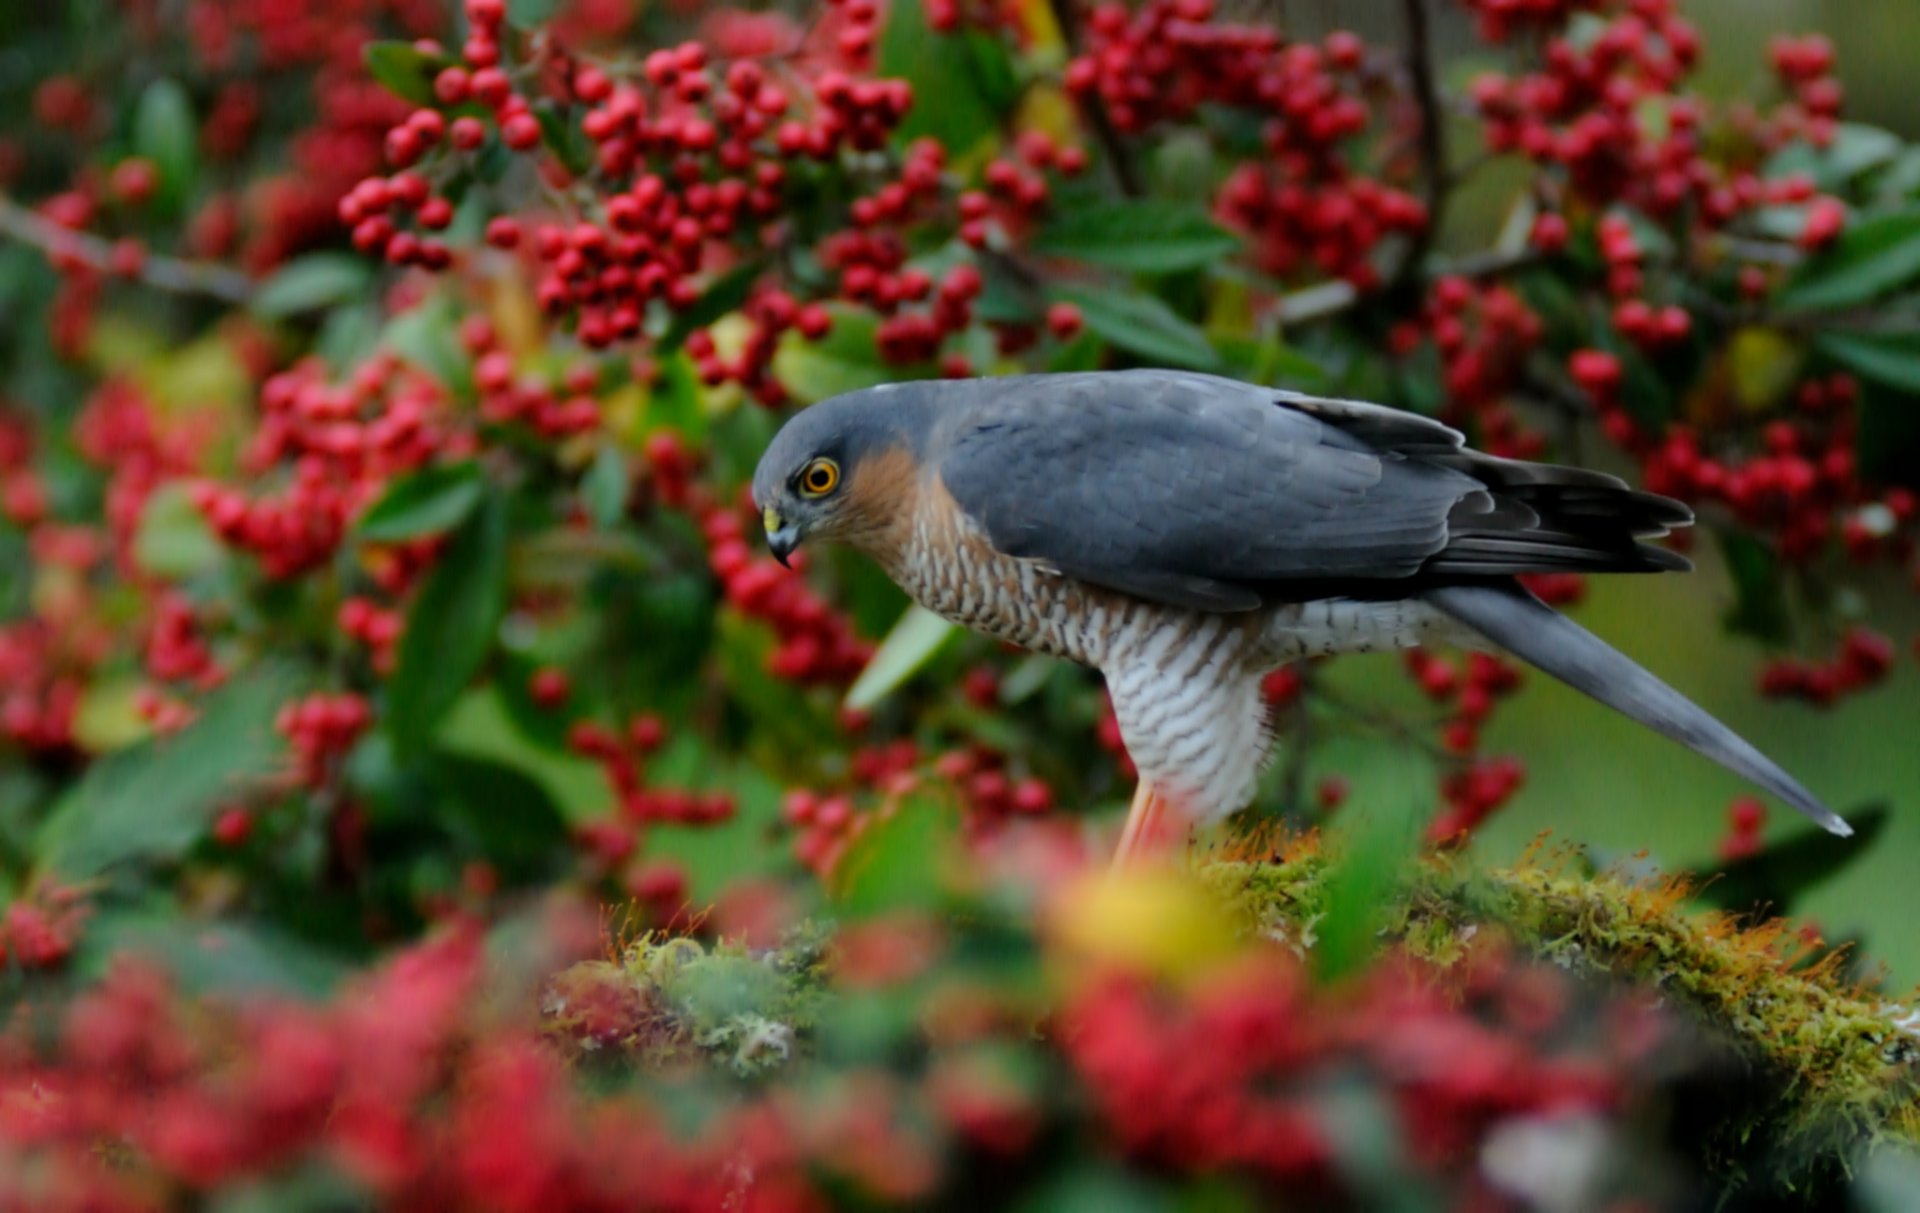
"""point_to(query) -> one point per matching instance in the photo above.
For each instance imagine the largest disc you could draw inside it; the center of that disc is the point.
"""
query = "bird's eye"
(819, 478)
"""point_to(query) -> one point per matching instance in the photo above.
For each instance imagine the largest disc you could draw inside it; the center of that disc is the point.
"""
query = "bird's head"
(843, 469)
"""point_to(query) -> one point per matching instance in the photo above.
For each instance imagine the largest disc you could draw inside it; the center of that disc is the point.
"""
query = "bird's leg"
(1154, 826)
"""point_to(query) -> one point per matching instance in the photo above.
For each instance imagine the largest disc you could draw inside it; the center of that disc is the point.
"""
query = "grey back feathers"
(1213, 494)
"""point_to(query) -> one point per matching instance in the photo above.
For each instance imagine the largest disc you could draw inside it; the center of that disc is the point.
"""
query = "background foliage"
(419, 788)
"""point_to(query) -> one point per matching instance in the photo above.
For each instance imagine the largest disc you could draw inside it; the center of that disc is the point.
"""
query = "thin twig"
(1293, 779)
(1117, 155)
(1325, 300)
(1432, 145)
(156, 270)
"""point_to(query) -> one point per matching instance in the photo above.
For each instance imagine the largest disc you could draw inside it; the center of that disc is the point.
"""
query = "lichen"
(667, 1001)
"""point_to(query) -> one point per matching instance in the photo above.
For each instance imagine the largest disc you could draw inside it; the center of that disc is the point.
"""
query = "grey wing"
(1217, 495)
(1194, 490)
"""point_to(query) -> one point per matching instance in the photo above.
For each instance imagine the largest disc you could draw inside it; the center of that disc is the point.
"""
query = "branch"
(158, 271)
(1433, 148)
(1324, 300)
(1124, 173)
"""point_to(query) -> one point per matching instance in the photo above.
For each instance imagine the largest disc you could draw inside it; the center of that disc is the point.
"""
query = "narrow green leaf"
(313, 282)
(164, 131)
(1871, 258)
(727, 293)
(1775, 877)
(451, 628)
(909, 646)
(154, 800)
(604, 487)
(1760, 602)
(429, 501)
(1143, 324)
(1376, 847)
(404, 70)
(1142, 235)
(1890, 358)
(950, 103)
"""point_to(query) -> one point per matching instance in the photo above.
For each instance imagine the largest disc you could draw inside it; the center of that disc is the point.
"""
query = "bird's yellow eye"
(819, 478)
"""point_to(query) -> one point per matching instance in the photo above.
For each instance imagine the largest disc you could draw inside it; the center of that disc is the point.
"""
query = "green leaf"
(1143, 324)
(173, 540)
(950, 97)
(1760, 600)
(425, 336)
(897, 861)
(604, 487)
(909, 646)
(1141, 235)
(564, 138)
(1376, 849)
(313, 282)
(219, 958)
(528, 13)
(1785, 870)
(154, 800)
(727, 293)
(1871, 258)
(1890, 358)
(1854, 149)
(502, 812)
(429, 501)
(845, 360)
(404, 70)
(164, 131)
(451, 628)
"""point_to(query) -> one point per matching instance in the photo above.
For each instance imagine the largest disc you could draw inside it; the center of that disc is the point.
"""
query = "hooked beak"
(782, 536)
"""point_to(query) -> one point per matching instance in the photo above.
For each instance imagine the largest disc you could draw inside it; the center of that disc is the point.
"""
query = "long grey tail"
(1510, 616)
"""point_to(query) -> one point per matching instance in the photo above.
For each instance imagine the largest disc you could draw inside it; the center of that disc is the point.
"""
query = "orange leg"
(1154, 827)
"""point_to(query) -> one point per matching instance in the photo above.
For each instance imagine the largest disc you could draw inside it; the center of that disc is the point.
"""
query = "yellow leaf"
(1155, 922)
(1763, 365)
(108, 716)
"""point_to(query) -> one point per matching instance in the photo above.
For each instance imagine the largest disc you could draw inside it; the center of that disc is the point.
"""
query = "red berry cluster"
(1581, 115)
(1484, 333)
(321, 728)
(38, 697)
(1862, 662)
(1253, 1048)
(176, 650)
(816, 645)
(1796, 486)
(342, 443)
(41, 927)
(1746, 819)
(1303, 207)
(690, 158)
(989, 798)
(553, 411)
(363, 620)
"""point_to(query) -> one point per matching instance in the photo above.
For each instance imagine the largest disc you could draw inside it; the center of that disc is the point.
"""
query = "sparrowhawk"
(1187, 534)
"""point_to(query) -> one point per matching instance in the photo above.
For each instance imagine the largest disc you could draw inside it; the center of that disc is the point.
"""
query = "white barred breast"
(1185, 684)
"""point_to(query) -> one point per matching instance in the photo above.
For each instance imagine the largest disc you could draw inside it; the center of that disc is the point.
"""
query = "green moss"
(670, 1001)
(1834, 1069)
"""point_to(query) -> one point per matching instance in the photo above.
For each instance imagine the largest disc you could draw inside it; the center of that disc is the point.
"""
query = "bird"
(1186, 534)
